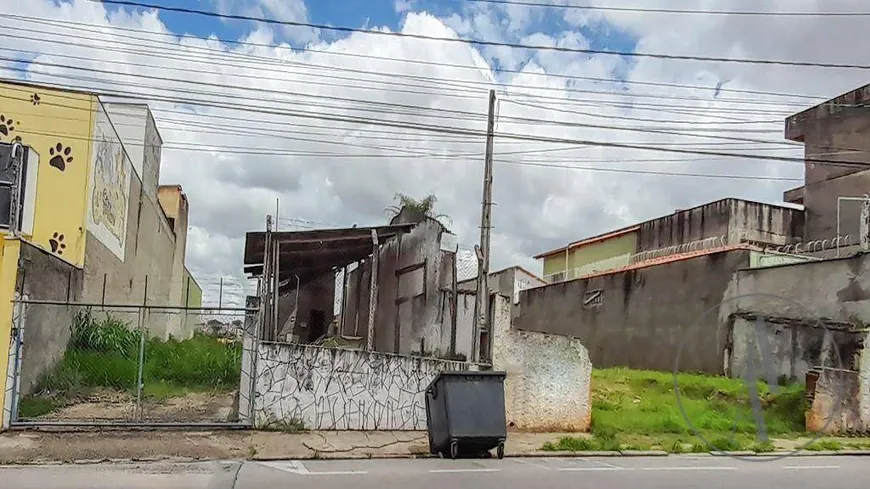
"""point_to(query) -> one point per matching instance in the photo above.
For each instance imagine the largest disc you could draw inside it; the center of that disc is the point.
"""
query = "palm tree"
(419, 209)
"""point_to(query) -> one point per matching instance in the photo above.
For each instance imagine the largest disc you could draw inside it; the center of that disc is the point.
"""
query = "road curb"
(396, 456)
(643, 453)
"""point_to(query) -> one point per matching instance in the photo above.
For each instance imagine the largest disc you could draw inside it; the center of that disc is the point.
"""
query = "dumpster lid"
(466, 373)
(472, 373)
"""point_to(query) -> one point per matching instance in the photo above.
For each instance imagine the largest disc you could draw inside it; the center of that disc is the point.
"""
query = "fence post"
(221, 295)
(103, 298)
(13, 391)
(142, 333)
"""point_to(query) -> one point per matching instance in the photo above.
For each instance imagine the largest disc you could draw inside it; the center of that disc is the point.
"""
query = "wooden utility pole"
(481, 303)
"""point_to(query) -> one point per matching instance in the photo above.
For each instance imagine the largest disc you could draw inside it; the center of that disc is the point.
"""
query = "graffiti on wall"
(340, 389)
(110, 187)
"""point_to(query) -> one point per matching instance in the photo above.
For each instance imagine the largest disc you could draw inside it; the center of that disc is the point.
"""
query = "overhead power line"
(647, 10)
(480, 42)
(101, 28)
(509, 119)
(510, 136)
(444, 86)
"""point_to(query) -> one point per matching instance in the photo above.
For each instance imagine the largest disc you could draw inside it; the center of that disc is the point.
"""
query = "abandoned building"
(407, 306)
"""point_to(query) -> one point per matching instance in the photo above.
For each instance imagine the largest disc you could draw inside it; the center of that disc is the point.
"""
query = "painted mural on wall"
(339, 389)
(56, 125)
(109, 187)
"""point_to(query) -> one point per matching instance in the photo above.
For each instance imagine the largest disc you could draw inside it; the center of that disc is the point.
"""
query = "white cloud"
(402, 6)
(538, 207)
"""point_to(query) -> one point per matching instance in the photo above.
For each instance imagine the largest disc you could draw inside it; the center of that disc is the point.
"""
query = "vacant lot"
(189, 380)
(637, 409)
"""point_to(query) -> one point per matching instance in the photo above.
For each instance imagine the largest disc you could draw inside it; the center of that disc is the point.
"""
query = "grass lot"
(637, 409)
(103, 354)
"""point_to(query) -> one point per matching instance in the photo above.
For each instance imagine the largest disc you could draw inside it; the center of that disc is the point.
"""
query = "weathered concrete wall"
(412, 271)
(46, 327)
(338, 389)
(642, 316)
(152, 246)
(836, 290)
(837, 131)
(734, 219)
(315, 298)
(790, 347)
(706, 221)
(821, 206)
(547, 387)
(764, 223)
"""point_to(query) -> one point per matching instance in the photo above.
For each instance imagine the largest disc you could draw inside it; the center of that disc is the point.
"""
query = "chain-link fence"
(83, 364)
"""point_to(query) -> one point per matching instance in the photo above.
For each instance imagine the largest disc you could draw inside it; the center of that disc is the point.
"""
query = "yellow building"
(55, 129)
(76, 202)
(602, 252)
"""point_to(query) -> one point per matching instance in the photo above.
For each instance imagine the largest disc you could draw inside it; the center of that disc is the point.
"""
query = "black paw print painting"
(7, 125)
(57, 244)
(35, 99)
(60, 156)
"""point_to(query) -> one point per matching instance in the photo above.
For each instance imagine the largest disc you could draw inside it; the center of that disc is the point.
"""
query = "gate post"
(13, 374)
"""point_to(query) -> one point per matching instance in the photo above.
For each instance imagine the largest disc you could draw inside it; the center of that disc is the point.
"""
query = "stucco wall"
(591, 253)
(645, 314)
(339, 389)
(46, 327)
(58, 126)
(547, 387)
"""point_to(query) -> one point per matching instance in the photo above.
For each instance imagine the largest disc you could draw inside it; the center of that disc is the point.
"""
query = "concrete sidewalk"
(93, 446)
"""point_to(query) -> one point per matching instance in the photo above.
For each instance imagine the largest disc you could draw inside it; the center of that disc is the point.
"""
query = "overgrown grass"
(638, 409)
(103, 353)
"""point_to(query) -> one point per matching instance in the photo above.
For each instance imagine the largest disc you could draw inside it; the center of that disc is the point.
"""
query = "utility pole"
(481, 303)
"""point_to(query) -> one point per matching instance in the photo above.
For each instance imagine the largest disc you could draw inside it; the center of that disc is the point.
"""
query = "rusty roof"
(310, 254)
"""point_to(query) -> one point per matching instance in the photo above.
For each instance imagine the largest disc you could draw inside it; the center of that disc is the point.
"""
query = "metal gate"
(83, 364)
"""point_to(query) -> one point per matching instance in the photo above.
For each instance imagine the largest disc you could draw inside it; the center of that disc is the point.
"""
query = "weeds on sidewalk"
(103, 355)
(637, 409)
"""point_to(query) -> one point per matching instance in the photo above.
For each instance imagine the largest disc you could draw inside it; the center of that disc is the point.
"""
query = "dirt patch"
(120, 406)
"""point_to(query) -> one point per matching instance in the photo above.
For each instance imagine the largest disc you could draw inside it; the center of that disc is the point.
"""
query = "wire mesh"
(93, 364)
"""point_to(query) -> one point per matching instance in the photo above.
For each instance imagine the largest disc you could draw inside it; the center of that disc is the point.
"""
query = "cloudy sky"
(251, 112)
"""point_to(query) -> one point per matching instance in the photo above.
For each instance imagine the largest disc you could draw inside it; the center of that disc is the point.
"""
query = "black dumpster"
(465, 414)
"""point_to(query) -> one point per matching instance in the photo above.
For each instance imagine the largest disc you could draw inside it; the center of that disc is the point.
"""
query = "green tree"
(420, 209)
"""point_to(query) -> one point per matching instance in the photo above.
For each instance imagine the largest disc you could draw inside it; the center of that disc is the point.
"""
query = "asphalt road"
(517, 473)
